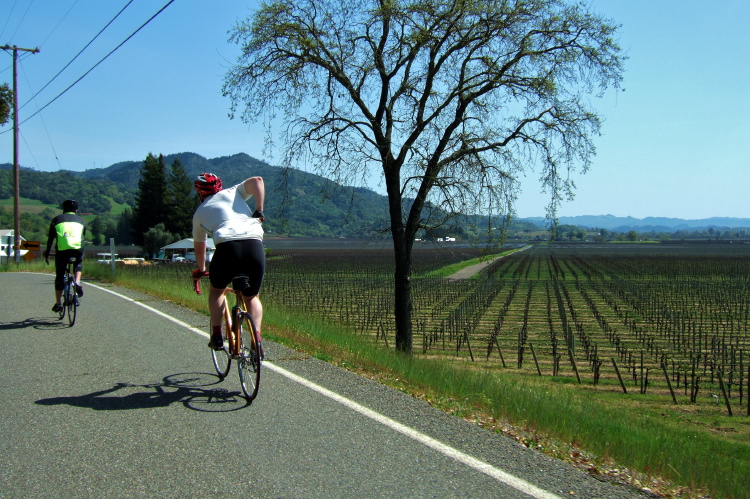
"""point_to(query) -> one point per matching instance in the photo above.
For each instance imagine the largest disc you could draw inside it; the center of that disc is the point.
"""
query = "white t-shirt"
(225, 216)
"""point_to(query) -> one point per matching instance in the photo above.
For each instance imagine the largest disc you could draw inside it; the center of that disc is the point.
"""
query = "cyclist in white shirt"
(238, 236)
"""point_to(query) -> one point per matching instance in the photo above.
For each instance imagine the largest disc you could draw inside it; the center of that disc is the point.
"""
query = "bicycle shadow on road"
(196, 391)
(46, 323)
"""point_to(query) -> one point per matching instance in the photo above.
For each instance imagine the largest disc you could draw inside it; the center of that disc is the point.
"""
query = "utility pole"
(16, 165)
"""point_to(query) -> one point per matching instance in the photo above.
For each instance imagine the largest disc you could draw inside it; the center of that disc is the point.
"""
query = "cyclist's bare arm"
(256, 188)
(200, 255)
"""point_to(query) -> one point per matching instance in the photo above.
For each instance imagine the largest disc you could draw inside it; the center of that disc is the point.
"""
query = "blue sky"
(675, 143)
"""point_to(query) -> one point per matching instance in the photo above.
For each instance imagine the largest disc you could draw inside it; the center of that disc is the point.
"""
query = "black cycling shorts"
(61, 262)
(233, 258)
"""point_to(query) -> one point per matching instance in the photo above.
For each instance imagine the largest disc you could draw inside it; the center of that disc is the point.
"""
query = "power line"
(59, 23)
(79, 53)
(49, 137)
(22, 18)
(9, 16)
(95, 65)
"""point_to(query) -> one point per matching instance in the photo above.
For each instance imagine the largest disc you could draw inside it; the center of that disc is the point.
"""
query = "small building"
(184, 249)
(7, 240)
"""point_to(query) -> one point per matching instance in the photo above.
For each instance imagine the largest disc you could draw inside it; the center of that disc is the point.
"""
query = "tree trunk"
(403, 240)
(402, 295)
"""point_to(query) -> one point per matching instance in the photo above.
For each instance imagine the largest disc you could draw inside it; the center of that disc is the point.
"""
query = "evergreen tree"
(95, 230)
(123, 231)
(149, 200)
(181, 201)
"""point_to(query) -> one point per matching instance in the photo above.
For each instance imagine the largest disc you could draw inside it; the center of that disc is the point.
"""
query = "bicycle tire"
(61, 312)
(248, 363)
(72, 305)
(222, 360)
(69, 301)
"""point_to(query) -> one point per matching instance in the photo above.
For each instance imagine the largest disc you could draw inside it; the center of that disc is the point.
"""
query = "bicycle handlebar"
(197, 274)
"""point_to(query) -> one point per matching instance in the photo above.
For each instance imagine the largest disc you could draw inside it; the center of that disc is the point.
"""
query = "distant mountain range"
(648, 224)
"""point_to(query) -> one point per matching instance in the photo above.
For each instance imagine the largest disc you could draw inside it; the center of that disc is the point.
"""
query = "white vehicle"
(190, 255)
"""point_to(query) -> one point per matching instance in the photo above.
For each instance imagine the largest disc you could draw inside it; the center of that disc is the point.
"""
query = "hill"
(648, 224)
(298, 203)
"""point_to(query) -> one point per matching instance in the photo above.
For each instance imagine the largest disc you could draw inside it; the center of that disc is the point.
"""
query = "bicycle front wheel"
(248, 363)
(71, 303)
(67, 302)
(222, 361)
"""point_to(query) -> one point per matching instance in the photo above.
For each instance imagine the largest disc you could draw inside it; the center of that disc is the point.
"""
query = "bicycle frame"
(242, 340)
(233, 330)
(69, 295)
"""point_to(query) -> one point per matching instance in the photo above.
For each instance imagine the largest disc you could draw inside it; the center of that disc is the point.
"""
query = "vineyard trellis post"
(536, 362)
(619, 376)
(669, 382)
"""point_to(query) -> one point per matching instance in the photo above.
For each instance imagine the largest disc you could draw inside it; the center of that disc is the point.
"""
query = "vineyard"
(667, 318)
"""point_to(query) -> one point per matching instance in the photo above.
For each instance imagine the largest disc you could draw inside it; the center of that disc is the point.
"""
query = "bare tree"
(450, 101)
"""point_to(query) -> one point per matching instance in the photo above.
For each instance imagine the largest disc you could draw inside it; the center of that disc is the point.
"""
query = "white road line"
(455, 454)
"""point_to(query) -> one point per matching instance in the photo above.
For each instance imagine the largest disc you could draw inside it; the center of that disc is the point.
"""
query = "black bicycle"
(69, 296)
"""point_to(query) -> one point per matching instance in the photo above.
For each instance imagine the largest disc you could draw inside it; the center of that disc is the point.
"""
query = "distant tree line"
(150, 203)
(93, 195)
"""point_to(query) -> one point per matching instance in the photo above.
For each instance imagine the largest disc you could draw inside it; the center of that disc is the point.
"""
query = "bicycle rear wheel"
(248, 363)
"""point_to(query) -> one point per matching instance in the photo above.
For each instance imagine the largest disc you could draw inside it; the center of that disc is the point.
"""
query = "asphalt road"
(126, 404)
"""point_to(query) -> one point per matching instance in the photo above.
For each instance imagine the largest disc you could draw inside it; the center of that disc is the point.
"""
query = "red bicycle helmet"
(207, 184)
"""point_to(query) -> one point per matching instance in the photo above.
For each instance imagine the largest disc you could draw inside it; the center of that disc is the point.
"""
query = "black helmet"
(70, 205)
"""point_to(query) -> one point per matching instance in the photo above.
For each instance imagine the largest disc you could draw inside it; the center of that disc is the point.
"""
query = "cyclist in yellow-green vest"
(68, 229)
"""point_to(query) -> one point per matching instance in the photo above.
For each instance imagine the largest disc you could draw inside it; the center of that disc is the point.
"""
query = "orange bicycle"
(241, 340)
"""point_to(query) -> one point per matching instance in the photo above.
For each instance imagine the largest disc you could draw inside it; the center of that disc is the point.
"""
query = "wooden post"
(724, 393)
(669, 383)
(643, 377)
(466, 337)
(502, 359)
(555, 362)
(533, 354)
(617, 370)
(693, 383)
(573, 363)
